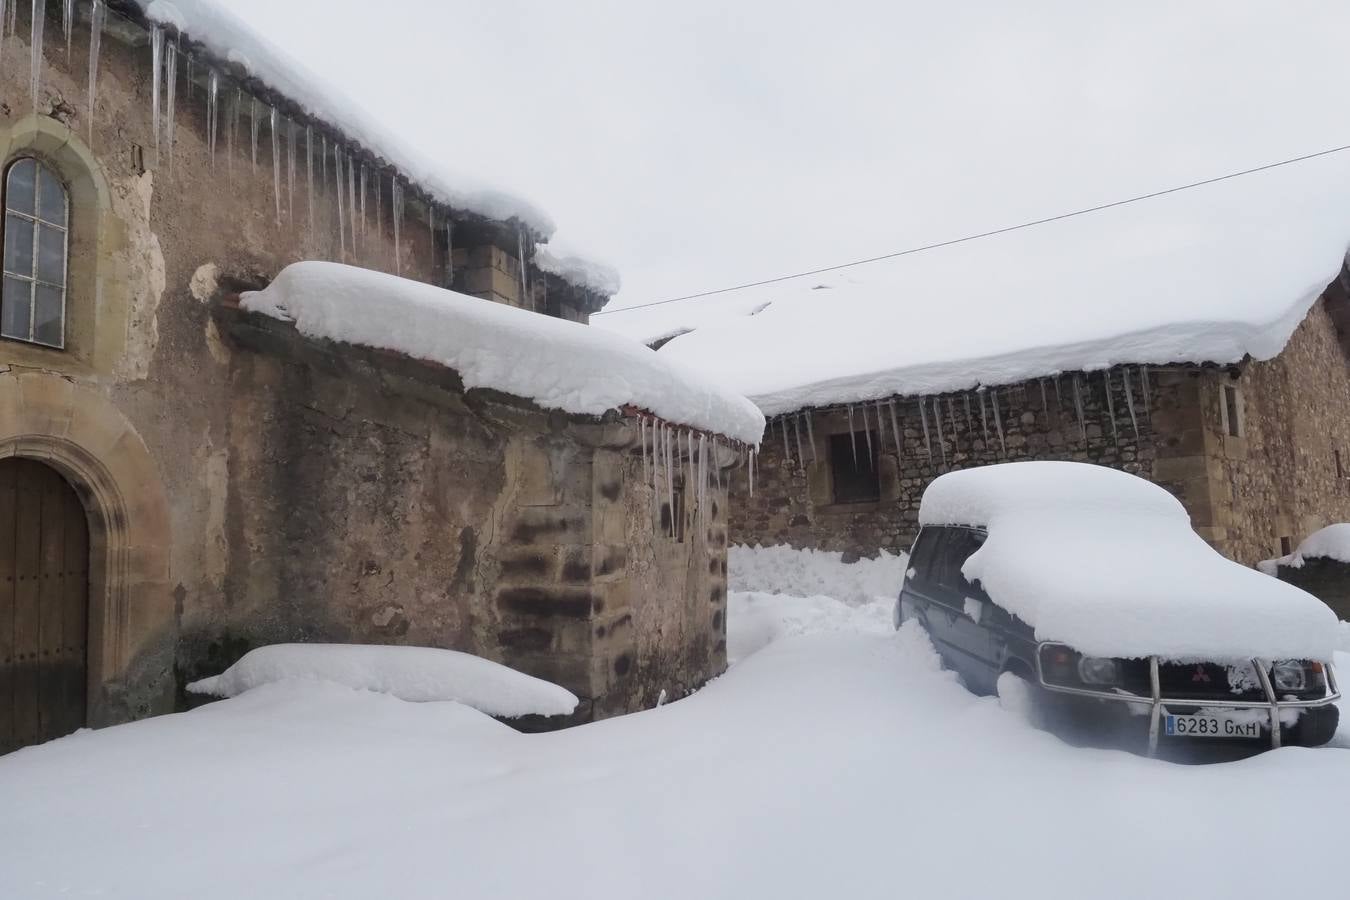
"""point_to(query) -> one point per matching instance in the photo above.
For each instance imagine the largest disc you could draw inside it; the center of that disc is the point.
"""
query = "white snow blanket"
(782, 569)
(557, 364)
(1108, 563)
(1212, 274)
(415, 674)
(1332, 542)
(826, 765)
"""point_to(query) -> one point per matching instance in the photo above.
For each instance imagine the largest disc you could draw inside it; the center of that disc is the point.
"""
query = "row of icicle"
(883, 418)
(356, 187)
(668, 451)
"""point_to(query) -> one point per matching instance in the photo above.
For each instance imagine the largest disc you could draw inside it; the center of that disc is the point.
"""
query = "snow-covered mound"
(1207, 275)
(805, 573)
(415, 674)
(1108, 563)
(755, 619)
(557, 364)
(1332, 542)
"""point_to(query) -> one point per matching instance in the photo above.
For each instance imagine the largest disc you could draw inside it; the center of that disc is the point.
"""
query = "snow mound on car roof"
(1108, 563)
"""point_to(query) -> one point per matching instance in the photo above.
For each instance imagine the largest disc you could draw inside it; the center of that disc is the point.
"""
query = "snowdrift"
(1108, 563)
(415, 674)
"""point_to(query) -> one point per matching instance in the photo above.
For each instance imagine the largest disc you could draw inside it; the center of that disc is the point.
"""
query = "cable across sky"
(983, 234)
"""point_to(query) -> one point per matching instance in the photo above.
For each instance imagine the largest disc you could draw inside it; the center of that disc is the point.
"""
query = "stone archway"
(132, 622)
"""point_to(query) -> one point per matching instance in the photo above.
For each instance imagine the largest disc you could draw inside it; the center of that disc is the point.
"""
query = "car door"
(914, 593)
(965, 604)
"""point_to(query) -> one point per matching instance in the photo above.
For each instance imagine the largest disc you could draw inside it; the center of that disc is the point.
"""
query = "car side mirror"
(974, 608)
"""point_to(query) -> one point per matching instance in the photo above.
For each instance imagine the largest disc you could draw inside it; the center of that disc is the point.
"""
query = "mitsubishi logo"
(1200, 675)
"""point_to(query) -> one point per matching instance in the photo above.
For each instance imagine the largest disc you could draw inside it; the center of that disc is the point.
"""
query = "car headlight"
(1098, 670)
(1289, 675)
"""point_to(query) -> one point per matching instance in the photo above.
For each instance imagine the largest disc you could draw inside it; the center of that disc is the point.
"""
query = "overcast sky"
(696, 144)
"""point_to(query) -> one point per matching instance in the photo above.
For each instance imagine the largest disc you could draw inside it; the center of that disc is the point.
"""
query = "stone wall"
(1280, 478)
(373, 500)
(151, 242)
(794, 504)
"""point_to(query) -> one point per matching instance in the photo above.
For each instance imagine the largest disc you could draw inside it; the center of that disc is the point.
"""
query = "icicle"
(1045, 401)
(937, 423)
(1129, 400)
(881, 428)
(309, 173)
(254, 125)
(1059, 400)
(689, 466)
(291, 131)
(431, 229)
(1078, 408)
(379, 204)
(96, 14)
(396, 213)
(365, 173)
(323, 166)
(951, 414)
(191, 72)
(1144, 392)
(703, 479)
(811, 435)
(853, 438)
(68, 24)
(998, 421)
(450, 256)
(867, 433)
(670, 480)
(351, 198)
(984, 420)
(231, 126)
(750, 468)
(35, 45)
(970, 421)
(895, 428)
(1110, 405)
(797, 433)
(156, 58)
(212, 103)
(520, 256)
(341, 216)
(170, 97)
(272, 118)
(927, 439)
(787, 454)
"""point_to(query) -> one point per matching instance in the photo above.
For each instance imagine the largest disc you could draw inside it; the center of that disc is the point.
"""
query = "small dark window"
(1232, 415)
(853, 467)
(1286, 546)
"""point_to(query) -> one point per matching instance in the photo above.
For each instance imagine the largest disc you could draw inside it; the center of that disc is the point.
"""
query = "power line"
(983, 234)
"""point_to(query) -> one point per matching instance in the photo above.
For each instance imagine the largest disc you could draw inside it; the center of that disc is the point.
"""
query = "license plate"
(1215, 726)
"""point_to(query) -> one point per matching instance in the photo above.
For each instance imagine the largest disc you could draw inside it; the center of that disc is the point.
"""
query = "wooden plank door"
(44, 597)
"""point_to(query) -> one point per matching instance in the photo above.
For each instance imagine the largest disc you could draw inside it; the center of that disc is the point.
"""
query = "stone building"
(1247, 424)
(181, 480)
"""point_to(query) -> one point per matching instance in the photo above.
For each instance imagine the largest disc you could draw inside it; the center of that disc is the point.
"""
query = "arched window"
(37, 214)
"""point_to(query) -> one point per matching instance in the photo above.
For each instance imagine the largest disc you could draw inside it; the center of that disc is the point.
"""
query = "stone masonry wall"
(1280, 478)
(793, 501)
(373, 500)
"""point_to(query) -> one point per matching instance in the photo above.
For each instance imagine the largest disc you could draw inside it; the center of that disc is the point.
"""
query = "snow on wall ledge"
(1211, 275)
(555, 363)
(580, 271)
(226, 35)
(1108, 563)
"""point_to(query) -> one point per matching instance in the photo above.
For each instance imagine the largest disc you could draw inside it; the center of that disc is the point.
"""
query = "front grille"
(1209, 681)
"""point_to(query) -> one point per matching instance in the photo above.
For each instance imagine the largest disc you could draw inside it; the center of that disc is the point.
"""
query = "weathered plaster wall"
(794, 503)
(373, 500)
(1279, 478)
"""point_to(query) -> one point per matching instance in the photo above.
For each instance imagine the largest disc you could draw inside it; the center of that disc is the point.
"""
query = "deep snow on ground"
(842, 764)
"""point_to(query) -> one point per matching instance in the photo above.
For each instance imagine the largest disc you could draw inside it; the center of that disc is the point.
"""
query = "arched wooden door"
(44, 605)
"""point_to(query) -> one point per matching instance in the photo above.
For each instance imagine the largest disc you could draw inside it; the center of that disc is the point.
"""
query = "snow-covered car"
(1090, 585)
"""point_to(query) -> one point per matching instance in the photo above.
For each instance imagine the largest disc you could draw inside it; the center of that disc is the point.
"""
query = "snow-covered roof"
(1213, 274)
(555, 363)
(1108, 563)
(224, 34)
(415, 674)
(1332, 542)
(579, 270)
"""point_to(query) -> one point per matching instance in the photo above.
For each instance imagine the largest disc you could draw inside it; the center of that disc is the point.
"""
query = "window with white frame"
(37, 216)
